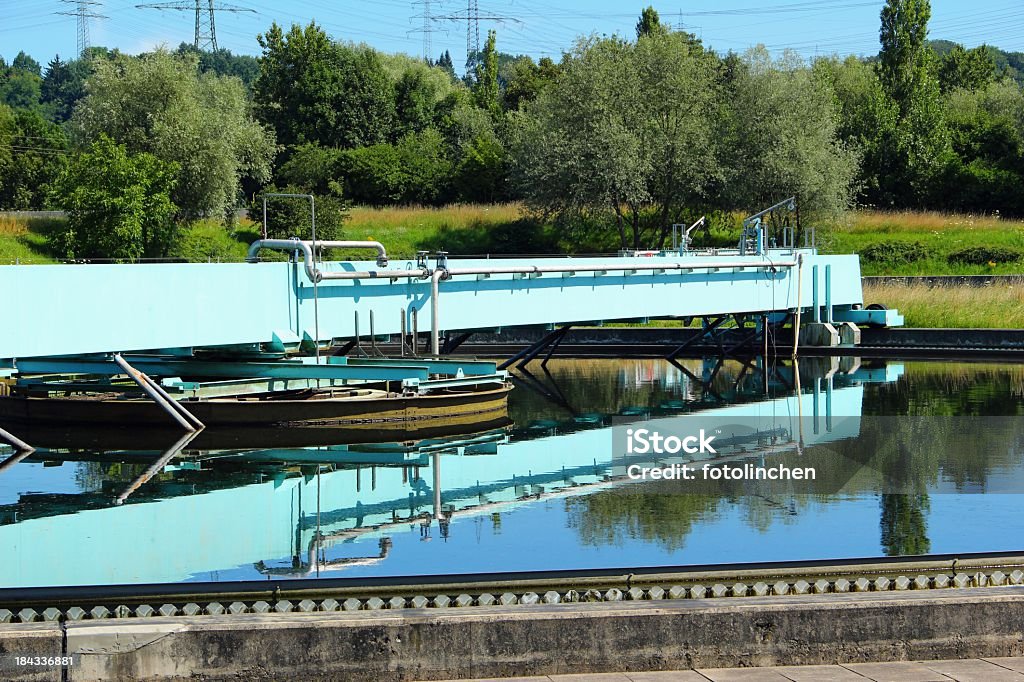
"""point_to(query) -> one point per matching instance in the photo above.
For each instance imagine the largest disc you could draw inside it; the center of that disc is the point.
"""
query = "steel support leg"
(15, 442)
(160, 397)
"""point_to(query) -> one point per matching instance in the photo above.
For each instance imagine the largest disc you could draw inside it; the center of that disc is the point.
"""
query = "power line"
(206, 26)
(83, 14)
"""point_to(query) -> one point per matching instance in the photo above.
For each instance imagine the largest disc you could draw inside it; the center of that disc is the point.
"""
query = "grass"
(995, 306)
(938, 235)
(25, 240)
(463, 229)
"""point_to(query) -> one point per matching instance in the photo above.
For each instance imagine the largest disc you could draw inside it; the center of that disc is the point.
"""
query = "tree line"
(621, 135)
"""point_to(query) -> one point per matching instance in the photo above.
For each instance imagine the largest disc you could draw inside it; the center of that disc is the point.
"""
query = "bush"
(983, 255)
(118, 204)
(289, 217)
(895, 253)
(204, 241)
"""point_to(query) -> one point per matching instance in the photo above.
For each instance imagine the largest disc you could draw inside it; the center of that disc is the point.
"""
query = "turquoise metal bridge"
(74, 310)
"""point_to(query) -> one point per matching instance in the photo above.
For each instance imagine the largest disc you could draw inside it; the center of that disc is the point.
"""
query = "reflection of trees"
(904, 524)
(608, 518)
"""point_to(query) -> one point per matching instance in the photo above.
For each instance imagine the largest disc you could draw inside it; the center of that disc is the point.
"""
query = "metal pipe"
(402, 325)
(435, 328)
(415, 333)
(18, 444)
(174, 403)
(799, 287)
(309, 257)
(815, 298)
(828, 294)
(137, 377)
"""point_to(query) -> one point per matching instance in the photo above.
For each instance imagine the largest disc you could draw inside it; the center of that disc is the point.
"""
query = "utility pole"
(206, 27)
(472, 18)
(83, 14)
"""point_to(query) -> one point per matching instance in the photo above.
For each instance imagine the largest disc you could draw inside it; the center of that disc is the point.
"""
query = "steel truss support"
(524, 356)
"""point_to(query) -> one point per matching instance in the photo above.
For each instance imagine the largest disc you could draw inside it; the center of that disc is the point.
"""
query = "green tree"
(36, 149)
(626, 131)
(20, 83)
(916, 149)
(160, 104)
(290, 217)
(526, 80)
(649, 23)
(966, 69)
(311, 89)
(118, 204)
(782, 139)
(487, 90)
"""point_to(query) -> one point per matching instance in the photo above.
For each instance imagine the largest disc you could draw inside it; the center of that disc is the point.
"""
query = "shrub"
(896, 252)
(118, 204)
(983, 255)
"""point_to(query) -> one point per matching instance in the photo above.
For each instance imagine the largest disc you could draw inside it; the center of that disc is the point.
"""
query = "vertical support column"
(814, 293)
(402, 340)
(828, 294)
(415, 334)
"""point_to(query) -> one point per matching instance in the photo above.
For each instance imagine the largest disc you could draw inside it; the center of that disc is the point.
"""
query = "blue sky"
(533, 27)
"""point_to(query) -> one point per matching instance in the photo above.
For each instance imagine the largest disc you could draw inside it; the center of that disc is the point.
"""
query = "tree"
(526, 80)
(160, 104)
(627, 131)
(36, 150)
(290, 217)
(966, 69)
(486, 90)
(904, 58)
(782, 139)
(311, 89)
(118, 204)
(444, 62)
(649, 23)
(916, 150)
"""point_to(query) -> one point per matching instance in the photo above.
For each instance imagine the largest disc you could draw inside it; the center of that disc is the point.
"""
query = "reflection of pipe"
(169, 405)
(18, 444)
(14, 459)
(314, 565)
(155, 468)
(435, 465)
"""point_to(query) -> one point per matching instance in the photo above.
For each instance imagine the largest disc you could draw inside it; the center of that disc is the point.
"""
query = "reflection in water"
(548, 491)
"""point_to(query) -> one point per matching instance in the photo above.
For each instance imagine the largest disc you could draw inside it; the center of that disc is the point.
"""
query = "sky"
(533, 27)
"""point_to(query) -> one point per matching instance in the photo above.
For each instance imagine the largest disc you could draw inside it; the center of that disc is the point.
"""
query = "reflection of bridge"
(307, 515)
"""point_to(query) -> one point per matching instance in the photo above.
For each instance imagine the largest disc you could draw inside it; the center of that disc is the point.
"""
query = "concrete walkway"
(968, 670)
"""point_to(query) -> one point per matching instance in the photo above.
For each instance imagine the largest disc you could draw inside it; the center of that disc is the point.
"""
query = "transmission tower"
(83, 14)
(472, 18)
(428, 27)
(206, 26)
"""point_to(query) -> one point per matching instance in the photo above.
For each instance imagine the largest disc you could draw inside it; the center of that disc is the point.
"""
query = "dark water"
(911, 458)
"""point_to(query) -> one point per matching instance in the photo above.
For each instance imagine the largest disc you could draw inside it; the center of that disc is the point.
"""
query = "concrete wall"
(413, 644)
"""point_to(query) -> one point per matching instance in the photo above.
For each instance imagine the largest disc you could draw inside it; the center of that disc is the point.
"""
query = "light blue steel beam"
(76, 309)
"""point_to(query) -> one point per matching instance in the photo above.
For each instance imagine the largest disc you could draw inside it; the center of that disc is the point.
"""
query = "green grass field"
(931, 237)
